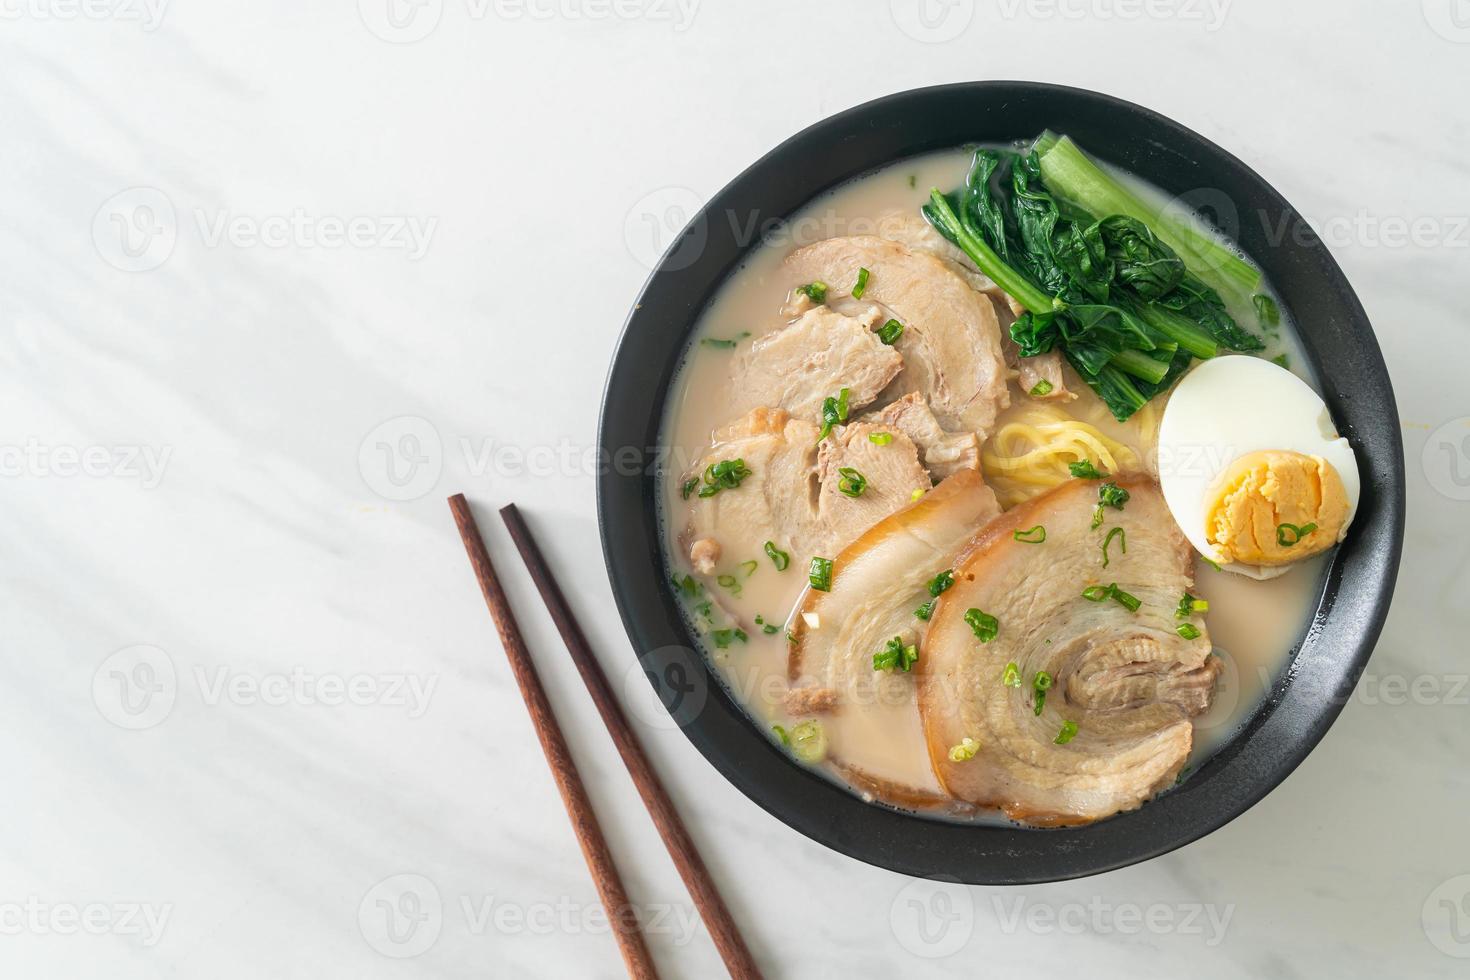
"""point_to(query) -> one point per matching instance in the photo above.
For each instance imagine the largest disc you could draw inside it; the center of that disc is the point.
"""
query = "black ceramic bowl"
(1334, 646)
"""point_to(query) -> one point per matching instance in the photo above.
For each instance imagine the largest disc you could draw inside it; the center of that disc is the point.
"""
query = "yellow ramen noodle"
(1030, 451)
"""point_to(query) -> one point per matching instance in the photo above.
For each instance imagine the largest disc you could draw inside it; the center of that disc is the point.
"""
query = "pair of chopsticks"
(620, 911)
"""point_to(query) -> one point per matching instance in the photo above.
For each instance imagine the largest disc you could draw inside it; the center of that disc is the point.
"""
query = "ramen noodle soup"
(995, 502)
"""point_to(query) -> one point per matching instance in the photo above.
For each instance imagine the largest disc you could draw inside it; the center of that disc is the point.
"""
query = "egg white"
(1230, 406)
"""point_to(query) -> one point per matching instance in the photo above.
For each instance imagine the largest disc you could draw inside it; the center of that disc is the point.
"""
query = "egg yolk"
(1266, 504)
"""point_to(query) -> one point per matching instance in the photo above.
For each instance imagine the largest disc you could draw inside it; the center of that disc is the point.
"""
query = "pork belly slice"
(811, 359)
(793, 495)
(943, 453)
(909, 228)
(877, 583)
(951, 340)
(1127, 680)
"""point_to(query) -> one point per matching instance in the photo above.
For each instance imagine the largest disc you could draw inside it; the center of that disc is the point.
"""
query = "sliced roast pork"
(877, 583)
(808, 498)
(908, 227)
(951, 340)
(1113, 728)
(943, 452)
(811, 359)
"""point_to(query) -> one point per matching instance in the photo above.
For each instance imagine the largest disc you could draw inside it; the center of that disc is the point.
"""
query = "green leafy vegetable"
(1112, 289)
(1266, 310)
(778, 557)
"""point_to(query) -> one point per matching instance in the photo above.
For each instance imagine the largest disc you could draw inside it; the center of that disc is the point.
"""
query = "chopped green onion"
(984, 625)
(778, 557)
(687, 585)
(1187, 630)
(925, 611)
(918, 492)
(862, 284)
(1212, 564)
(965, 751)
(834, 412)
(896, 656)
(781, 734)
(852, 483)
(729, 582)
(1289, 534)
(1011, 676)
(727, 474)
(1041, 388)
(1114, 533)
(688, 487)
(913, 180)
(1068, 732)
(1040, 702)
(726, 344)
(1097, 517)
(809, 742)
(1101, 593)
(1280, 361)
(819, 574)
(1182, 774)
(941, 582)
(722, 638)
(750, 567)
(1084, 470)
(770, 629)
(890, 332)
(1130, 602)
(1032, 535)
(880, 438)
(1112, 495)
(1042, 681)
(1266, 310)
(1189, 605)
(816, 291)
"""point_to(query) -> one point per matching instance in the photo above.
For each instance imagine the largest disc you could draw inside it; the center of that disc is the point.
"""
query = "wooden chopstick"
(620, 911)
(681, 848)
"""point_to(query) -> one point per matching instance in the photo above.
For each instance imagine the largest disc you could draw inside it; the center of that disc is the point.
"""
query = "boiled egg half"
(1252, 467)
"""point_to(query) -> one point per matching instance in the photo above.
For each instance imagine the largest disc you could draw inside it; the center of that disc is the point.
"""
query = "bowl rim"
(1334, 648)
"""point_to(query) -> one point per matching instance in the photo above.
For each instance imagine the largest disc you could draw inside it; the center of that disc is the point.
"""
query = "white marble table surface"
(252, 701)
